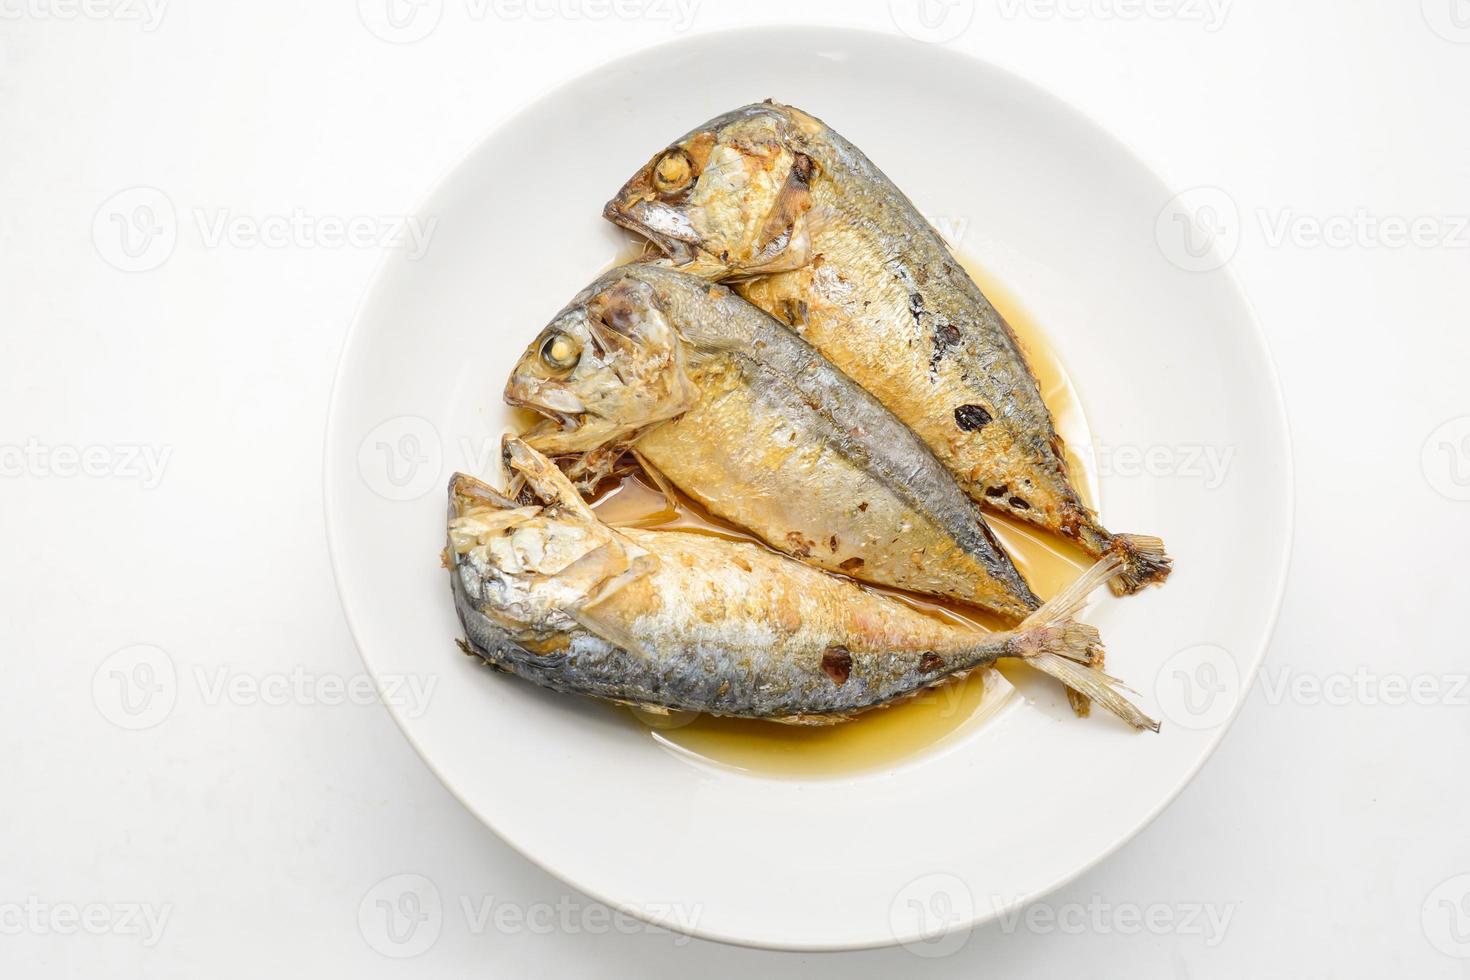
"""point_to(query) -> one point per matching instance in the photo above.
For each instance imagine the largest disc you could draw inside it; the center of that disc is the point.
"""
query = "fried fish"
(748, 419)
(804, 226)
(672, 620)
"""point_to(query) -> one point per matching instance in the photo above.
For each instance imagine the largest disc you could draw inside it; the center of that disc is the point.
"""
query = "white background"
(1327, 832)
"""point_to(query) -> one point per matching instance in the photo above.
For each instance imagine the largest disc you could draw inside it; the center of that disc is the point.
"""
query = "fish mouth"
(625, 216)
(557, 433)
(554, 423)
(551, 425)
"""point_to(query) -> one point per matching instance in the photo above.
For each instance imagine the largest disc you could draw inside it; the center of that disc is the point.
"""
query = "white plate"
(1169, 364)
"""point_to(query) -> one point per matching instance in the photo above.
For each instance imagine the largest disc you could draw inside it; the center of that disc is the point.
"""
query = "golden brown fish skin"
(744, 454)
(678, 620)
(764, 432)
(808, 229)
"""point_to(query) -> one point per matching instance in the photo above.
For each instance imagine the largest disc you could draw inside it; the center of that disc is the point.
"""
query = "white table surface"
(241, 834)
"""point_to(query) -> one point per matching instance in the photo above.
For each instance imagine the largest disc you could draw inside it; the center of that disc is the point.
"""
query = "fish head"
(525, 565)
(733, 197)
(609, 364)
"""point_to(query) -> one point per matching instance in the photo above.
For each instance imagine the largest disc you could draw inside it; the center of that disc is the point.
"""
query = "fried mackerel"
(723, 402)
(809, 230)
(667, 620)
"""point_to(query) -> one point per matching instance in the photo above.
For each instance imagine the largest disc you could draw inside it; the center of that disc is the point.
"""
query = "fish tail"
(1144, 562)
(1094, 684)
(1054, 643)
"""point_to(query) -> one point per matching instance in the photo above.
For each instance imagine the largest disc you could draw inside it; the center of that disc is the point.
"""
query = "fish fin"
(609, 629)
(1095, 685)
(609, 340)
(642, 565)
(1065, 604)
(812, 721)
(1144, 562)
(671, 506)
(792, 201)
(588, 615)
(1081, 703)
(661, 710)
(465, 490)
(544, 478)
(468, 649)
(1054, 643)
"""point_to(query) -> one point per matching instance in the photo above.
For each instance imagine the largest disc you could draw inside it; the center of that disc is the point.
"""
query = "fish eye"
(672, 172)
(561, 351)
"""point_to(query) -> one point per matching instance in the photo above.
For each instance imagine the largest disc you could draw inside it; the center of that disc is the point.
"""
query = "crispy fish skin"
(764, 432)
(678, 620)
(809, 230)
